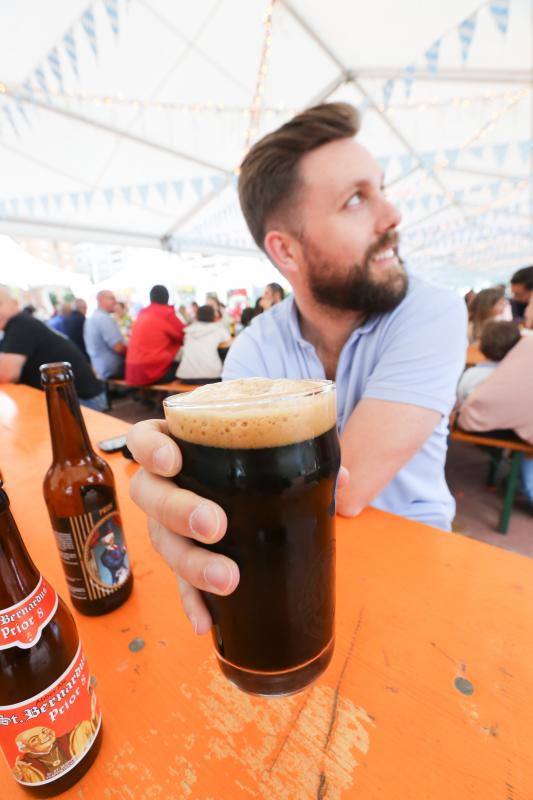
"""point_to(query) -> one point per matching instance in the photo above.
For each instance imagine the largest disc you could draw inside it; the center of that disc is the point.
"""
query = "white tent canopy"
(124, 120)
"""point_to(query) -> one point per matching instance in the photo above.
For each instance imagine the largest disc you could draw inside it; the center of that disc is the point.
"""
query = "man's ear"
(284, 250)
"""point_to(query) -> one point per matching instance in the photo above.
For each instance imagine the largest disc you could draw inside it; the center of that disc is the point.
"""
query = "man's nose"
(388, 217)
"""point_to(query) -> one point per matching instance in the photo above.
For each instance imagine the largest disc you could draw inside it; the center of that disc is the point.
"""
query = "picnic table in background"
(428, 694)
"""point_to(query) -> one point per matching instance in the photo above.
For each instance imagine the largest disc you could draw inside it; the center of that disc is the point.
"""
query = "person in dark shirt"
(28, 343)
(73, 325)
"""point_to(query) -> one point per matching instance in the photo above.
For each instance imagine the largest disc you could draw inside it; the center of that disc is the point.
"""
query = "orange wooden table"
(429, 695)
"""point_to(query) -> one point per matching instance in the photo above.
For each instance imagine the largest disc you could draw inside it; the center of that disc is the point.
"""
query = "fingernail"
(218, 575)
(204, 521)
(164, 458)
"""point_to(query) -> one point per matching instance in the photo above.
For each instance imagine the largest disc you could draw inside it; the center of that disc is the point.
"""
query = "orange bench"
(497, 442)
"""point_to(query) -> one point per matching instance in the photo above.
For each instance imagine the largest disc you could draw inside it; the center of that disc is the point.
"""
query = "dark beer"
(50, 722)
(270, 459)
(79, 490)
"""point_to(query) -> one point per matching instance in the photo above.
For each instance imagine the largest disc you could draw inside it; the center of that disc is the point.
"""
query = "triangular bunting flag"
(428, 160)
(14, 205)
(440, 200)
(87, 22)
(406, 162)
(477, 151)
(500, 152)
(88, 197)
(45, 202)
(58, 200)
(387, 92)
(425, 200)
(432, 57)
(20, 107)
(11, 119)
(217, 182)
(452, 156)
(55, 66)
(162, 188)
(70, 47)
(525, 148)
(143, 193)
(500, 11)
(41, 80)
(126, 193)
(458, 196)
(28, 88)
(494, 189)
(410, 203)
(178, 188)
(466, 32)
(408, 78)
(29, 202)
(111, 6)
(198, 186)
(108, 195)
(75, 200)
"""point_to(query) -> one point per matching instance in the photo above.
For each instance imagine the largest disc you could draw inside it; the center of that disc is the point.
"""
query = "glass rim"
(180, 400)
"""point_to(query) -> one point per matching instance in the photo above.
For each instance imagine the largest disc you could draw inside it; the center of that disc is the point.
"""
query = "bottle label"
(21, 625)
(48, 734)
(92, 546)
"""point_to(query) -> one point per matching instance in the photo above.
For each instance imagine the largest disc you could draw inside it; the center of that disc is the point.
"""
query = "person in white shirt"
(497, 338)
(200, 361)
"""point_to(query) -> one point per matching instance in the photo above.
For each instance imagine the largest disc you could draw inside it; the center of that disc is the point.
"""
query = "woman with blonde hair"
(487, 304)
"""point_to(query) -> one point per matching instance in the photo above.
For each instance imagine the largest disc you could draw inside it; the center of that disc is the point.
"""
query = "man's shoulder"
(424, 301)
(22, 322)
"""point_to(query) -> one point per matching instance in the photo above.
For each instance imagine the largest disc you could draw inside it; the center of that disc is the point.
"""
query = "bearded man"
(314, 201)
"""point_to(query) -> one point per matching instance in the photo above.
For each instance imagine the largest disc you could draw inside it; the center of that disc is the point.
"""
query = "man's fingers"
(152, 447)
(343, 477)
(177, 509)
(210, 572)
(194, 608)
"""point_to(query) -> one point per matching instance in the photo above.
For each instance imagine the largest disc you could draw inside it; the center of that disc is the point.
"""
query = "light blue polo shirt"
(101, 333)
(413, 354)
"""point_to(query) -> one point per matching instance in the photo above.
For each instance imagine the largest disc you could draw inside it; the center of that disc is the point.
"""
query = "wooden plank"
(504, 439)
(428, 695)
(171, 388)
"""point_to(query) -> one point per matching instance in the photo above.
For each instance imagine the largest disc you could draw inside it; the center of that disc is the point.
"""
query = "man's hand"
(177, 517)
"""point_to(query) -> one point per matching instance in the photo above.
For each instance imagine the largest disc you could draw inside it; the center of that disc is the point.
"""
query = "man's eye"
(355, 200)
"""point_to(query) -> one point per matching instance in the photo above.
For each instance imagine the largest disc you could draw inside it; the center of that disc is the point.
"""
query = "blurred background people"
(103, 340)
(522, 291)
(272, 294)
(487, 304)
(200, 360)
(497, 338)
(123, 319)
(57, 322)
(28, 343)
(74, 323)
(221, 315)
(155, 339)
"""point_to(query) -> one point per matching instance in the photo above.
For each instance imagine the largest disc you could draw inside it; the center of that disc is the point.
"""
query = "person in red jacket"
(155, 339)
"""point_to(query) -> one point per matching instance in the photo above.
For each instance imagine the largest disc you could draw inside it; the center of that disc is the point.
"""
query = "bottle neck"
(70, 440)
(18, 574)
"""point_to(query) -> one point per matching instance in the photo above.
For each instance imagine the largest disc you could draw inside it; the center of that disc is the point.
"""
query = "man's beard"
(357, 290)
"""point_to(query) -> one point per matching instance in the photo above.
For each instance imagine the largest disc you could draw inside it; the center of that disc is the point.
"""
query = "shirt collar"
(294, 325)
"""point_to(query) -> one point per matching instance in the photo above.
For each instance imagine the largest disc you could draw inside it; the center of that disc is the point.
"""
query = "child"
(497, 338)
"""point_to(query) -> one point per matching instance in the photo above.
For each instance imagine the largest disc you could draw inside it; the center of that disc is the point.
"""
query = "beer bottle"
(50, 721)
(79, 490)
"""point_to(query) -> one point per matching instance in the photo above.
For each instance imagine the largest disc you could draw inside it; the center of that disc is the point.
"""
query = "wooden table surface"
(429, 695)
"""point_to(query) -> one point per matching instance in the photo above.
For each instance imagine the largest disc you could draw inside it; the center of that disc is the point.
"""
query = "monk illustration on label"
(106, 555)
(43, 754)
(114, 558)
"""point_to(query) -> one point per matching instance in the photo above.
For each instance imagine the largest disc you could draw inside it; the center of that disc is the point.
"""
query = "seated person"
(200, 361)
(103, 339)
(486, 305)
(28, 343)
(497, 339)
(155, 338)
(503, 400)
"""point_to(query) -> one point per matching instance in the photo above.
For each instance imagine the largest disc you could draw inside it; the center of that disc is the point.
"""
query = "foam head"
(250, 413)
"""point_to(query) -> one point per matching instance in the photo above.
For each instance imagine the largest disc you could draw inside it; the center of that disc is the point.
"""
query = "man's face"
(81, 306)
(8, 308)
(268, 298)
(347, 230)
(520, 292)
(38, 741)
(107, 301)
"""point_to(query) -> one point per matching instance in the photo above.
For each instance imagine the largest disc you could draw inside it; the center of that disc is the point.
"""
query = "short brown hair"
(269, 173)
(497, 338)
(205, 314)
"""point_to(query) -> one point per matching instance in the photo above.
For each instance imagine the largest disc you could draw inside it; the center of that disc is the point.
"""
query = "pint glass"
(267, 451)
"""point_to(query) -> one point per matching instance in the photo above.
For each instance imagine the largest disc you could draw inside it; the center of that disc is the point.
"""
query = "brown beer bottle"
(79, 490)
(50, 721)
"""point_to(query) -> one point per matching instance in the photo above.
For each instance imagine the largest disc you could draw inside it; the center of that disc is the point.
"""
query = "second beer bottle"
(79, 490)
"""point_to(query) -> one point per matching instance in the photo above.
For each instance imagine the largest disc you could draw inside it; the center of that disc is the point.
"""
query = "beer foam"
(250, 413)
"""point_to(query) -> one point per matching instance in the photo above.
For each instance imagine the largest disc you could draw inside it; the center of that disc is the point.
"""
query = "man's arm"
(379, 438)
(11, 366)
(119, 347)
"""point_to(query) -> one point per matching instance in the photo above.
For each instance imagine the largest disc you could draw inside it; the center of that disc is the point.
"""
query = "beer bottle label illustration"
(46, 735)
(92, 546)
(21, 625)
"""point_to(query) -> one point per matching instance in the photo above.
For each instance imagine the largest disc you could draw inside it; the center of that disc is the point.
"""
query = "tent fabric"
(125, 120)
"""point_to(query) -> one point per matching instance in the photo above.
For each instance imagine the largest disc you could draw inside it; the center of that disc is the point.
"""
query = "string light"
(255, 108)
(458, 101)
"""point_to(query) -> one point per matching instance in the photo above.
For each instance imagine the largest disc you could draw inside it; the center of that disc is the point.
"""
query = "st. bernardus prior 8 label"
(45, 736)
(92, 546)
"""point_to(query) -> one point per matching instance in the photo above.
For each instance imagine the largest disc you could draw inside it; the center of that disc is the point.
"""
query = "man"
(74, 324)
(103, 340)
(28, 343)
(273, 294)
(522, 291)
(57, 322)
(156, 337)
(314, 201)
